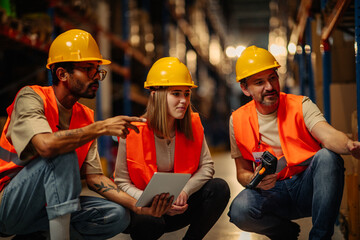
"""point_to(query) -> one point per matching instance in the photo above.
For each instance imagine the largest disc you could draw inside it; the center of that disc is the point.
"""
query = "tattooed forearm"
(103, 188)
(68, 133)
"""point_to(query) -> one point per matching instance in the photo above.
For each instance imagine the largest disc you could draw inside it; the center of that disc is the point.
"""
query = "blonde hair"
(157, 115)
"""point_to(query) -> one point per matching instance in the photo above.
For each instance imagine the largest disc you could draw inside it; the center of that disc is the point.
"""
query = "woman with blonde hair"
(172, 140)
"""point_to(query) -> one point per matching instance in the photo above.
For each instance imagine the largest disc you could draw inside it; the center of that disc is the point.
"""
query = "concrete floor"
(223, 229)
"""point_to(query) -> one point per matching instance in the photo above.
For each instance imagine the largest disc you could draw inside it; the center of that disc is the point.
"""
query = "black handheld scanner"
(268, 166)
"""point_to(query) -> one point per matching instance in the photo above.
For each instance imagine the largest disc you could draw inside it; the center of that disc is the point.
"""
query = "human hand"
(267, 182)
(181, 199)
(180, 205)
(159, 206)
(354, 148)
(175, 209)
(119, 125)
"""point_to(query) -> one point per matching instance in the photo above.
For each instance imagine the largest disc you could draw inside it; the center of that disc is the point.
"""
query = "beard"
(80, 90)
(270, 100)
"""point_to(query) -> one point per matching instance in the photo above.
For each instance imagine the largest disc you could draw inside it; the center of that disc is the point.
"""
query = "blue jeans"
(316, 192)
(48, 188)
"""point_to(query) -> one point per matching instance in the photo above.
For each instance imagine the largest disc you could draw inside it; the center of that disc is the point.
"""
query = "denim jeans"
(99, 218)
(316, 192)
(48, 188)
(205, 208)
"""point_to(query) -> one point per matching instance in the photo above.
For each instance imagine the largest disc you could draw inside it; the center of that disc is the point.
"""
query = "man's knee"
(100, 218)
(66, 167)
(66, 161)
(240, 212)
(328, 160)
(237, 216)
(119, 218)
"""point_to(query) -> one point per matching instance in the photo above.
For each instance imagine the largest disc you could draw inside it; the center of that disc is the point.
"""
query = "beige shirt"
(268, 127)
(28, 119)
(165, 163)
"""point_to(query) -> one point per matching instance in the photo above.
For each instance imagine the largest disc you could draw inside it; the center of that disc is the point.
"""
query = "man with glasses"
(49, 142)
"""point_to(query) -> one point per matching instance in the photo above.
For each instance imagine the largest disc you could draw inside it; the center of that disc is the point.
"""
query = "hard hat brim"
(239, 78)
(147, 86)
(101, 61)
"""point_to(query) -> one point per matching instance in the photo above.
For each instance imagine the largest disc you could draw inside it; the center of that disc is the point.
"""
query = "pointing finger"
(129, 125)
(133, 119)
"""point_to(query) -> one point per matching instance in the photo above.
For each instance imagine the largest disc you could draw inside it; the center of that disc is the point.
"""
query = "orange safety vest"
(296, 141)
(81, 116)
(141, 152)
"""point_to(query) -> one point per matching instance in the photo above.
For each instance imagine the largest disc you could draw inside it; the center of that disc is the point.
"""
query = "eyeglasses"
(93, 71)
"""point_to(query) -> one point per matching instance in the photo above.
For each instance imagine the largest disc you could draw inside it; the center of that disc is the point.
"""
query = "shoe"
(4, 235)
(289, 232)
(31, 236)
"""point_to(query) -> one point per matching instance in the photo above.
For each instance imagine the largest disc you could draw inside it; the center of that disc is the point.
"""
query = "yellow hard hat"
(74, 46)
(254, 60)
(169, 71)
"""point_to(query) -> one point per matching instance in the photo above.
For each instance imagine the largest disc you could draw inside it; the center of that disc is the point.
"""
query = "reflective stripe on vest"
(9, 156)
(296, 142)
(82, 116)
(141, 152)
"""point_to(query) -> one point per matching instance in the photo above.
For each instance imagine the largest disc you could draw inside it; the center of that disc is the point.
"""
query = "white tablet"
(162, 182)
